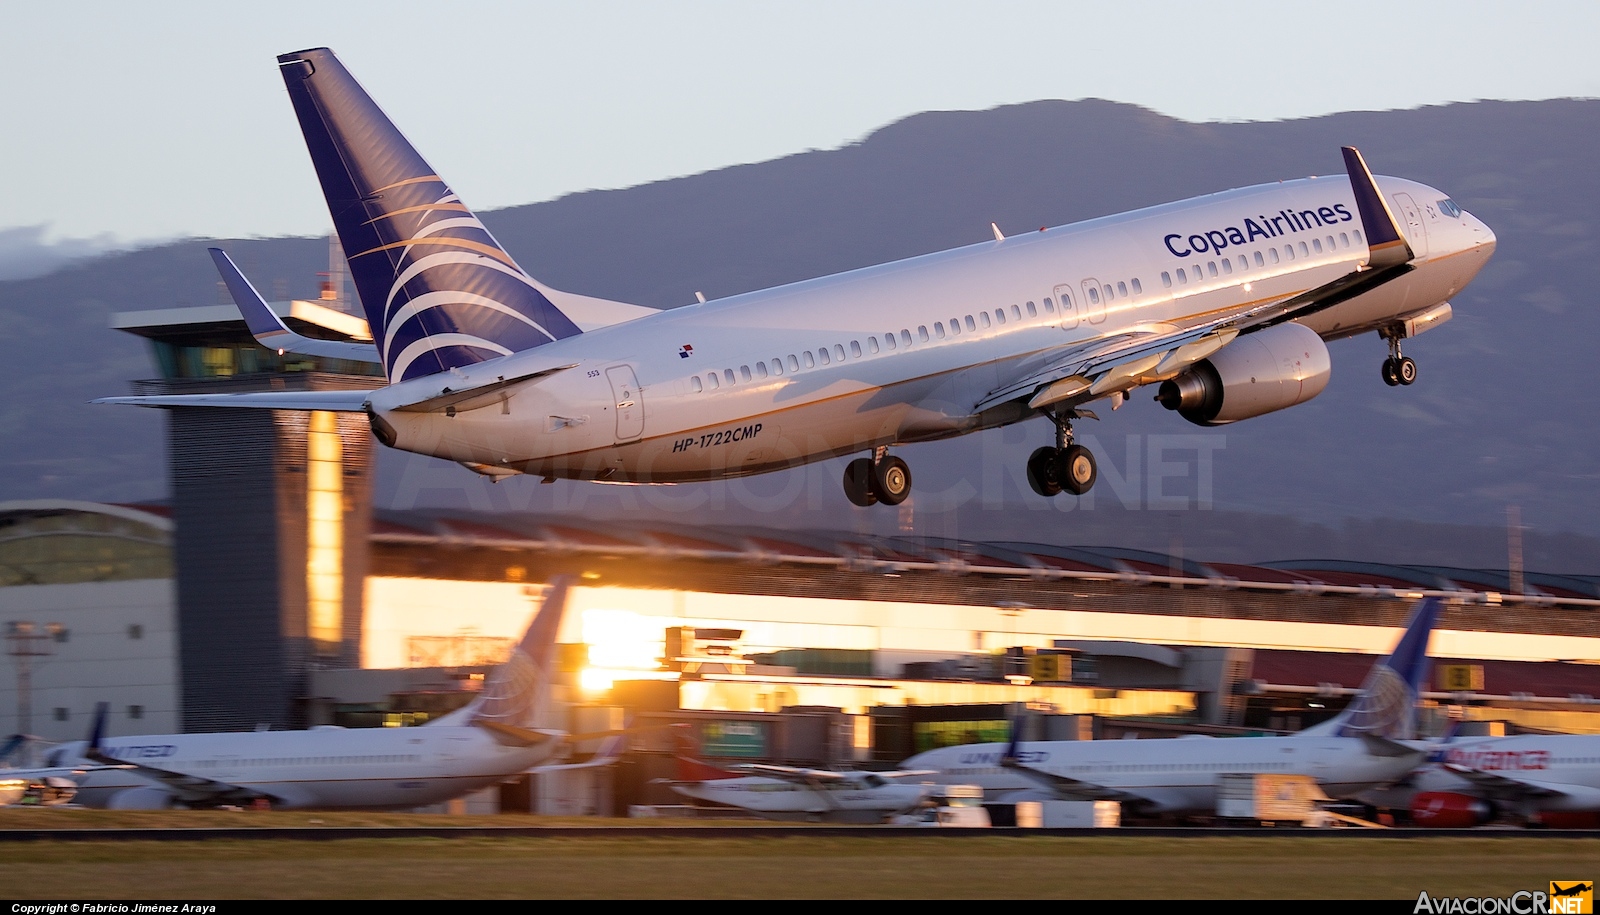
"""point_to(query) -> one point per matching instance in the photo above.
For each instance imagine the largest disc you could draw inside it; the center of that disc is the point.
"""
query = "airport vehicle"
(949, 806)
(1359, 749)
(1551, 778)
(493, 738)
(1224, 301)
(790, 793)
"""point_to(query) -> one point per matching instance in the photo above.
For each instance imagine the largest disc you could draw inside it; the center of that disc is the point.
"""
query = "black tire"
(1391, 373)
(1042, 474)
(1076, 470)
(1406, 370)
(858, 487)
(891, 481)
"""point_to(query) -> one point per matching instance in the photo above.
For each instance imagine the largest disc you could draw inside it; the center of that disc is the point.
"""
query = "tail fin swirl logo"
(438, 290)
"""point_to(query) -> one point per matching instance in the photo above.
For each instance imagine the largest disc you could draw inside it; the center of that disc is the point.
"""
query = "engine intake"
(1255, 374)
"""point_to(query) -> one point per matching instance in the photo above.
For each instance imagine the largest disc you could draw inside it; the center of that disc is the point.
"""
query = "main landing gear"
(1066, 467)
(1398, 369)
(880, 478)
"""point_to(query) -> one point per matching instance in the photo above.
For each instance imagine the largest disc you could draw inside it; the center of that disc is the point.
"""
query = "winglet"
(1386, 245)
(1018, 724)
(97, 732)
(270, 331)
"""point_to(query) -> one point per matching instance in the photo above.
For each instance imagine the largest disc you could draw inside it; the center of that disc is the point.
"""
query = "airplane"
(1360, 748)
(790, 793)
(1553, 779)
(494, 738)
(1223, 301)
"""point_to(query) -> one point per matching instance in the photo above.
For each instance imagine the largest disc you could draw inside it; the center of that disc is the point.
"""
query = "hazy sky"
(155, 120)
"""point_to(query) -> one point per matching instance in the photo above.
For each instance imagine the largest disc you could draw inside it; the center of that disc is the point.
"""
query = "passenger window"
(711, 379)
(1166, 280)
(1000, 315)
(1303, 251)
(1033, 312)
(810, 363)
(695, 385)
(1316, 245)
(744, 372)
(1330, 242)
(1122, 289)
(1272, 253)
(1259, 262)
(1344, 239)
(777, 366)
(1109, 294)
(872, 345)
(1211, 267)
(1244, 263)
(1227, 266)
(1288, 251)
(1138, 288)
(905, 336)
(761, 370)
(727, 375)
(855, 348)
(971, 326)
(922, 332)
(1094, 296)
(1183, 278)
(822, 355)
(888, 340)
(838, 352)
(938, 329)
(1356, 234)
(983, 317)
(1016, 313)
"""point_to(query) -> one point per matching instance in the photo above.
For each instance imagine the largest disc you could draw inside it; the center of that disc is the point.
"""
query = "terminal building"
(268, 593)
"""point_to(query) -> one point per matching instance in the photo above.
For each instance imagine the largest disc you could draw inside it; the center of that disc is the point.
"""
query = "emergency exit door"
(630, 404)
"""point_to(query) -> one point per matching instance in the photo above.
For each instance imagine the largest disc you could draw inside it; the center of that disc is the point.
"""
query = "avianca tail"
(1359, 749)
(492, 739)
(1223, 302)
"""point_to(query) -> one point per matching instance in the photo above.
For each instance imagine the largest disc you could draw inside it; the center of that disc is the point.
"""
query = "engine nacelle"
(1448, 810)
(141, 799)
(1255, 374)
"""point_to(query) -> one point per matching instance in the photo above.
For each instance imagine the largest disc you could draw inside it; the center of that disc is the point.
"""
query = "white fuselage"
(1569, 763)
(389, 768)
(1174, 776)
(904, 351)
(778, 799)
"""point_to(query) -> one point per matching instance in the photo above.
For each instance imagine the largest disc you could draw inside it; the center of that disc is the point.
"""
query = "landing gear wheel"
(1391, 373)
(1406, 370)
(1076, 469)
(1042, 474)
(858, 484)
(891, 480)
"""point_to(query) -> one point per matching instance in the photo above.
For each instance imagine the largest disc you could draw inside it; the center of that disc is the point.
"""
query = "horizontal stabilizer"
(270, 331)
(331, 401)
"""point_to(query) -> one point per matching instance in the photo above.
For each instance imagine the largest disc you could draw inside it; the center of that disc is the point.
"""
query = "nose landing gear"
(880, 478)
(1067, 467)
(1398, 369)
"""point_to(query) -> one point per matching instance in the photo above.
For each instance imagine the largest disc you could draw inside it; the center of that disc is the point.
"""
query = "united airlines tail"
(515, 702)
(438, 290)
(1386, 706)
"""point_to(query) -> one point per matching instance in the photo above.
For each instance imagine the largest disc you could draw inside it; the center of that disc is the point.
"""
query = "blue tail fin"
(517, 691)
(1387, 703)
(97, 731)
(438, 290)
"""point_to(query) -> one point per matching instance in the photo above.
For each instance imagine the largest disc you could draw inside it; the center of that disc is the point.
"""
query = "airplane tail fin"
(438, 290)
(690, 767)
(1386, 706)
(516, 694)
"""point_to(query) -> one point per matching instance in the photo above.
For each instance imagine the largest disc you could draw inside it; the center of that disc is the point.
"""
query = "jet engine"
(1448, 810)
(141, 799)
(1255, 374)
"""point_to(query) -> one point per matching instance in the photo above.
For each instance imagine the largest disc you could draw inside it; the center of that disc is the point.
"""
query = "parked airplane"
(1551, 778)
(789, 793)
(1223, 300)
(494, 738)
(1358, 749)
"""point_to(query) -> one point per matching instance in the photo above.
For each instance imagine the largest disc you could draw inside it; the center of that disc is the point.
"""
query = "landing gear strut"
(880, 478)
(1398, 369)
(1066, 467)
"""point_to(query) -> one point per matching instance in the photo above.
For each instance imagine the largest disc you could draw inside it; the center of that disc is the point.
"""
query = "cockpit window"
(1448, 207)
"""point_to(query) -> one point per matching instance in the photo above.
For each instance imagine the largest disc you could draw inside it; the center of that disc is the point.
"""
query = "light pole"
(28, 640)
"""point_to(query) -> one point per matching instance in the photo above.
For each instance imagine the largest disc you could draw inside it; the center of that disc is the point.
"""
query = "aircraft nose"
(1483, 236)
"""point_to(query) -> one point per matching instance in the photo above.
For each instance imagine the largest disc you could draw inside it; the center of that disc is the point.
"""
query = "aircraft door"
(1416, 232)
(1094, 303)
(629, 401)
(1068, 306)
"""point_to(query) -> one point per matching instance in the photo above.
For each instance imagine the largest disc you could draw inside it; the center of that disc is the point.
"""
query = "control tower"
(271, 512)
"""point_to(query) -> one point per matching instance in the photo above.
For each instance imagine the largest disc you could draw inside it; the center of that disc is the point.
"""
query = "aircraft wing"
(333, 401)
(270, 331)
(1081, 372)
(1074, 789)
(190, 789)
(811, 777)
